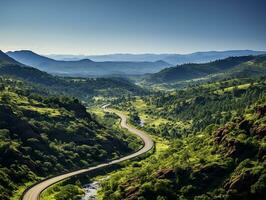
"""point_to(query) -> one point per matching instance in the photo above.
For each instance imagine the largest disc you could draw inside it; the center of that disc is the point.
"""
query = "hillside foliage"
(42, 135)
(216, 135)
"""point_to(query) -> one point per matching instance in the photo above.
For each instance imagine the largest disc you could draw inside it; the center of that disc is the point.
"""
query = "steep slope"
(45, 135)
(5, 59)
(28, 57)
(215, 134)
(226, 162)
(256, 67)
(85, 67)
(190, 71)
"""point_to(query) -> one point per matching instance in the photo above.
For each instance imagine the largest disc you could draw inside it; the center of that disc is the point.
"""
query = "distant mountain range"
(86, 87)
(174, 59)
(86, 67)
(118, 64)
(242, 66)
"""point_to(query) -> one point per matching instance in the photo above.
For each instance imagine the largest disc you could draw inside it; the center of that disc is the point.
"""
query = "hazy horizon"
(128, 53)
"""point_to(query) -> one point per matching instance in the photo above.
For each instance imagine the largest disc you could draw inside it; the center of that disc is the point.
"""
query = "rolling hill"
(43, 135)
(231, 66)
(85, 67)
(214, 145)
(208, 56)
(82, 87)
(174, 59)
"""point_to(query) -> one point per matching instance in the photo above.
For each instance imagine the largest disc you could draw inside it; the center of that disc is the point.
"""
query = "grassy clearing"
(141, 107)
(230, 89)
(31, 105)
(97, 111)
(152, 120)
(43, 111)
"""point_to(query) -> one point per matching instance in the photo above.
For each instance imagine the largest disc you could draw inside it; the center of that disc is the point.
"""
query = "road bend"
(33, 193)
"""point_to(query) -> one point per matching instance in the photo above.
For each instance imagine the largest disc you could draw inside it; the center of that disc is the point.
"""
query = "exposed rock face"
(259, 130)
(165, 174)
(131, 193)
(235, 148)
(241, 182)
(261, 110)
(220, 134)
(232, 147)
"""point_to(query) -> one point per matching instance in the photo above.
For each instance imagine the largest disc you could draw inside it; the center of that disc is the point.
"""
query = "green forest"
(207, 121)
(215, 134)
(43, 135)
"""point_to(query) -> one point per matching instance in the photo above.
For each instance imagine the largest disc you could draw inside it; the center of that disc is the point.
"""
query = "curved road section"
(34, 192)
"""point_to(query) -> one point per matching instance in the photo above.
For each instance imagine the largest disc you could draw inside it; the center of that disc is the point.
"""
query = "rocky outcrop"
(260, 110)
(131, 193)
(165, 174)
(259, 130)
(241, 182)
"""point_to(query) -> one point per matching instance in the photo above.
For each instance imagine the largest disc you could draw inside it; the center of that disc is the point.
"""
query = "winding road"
(33, 193)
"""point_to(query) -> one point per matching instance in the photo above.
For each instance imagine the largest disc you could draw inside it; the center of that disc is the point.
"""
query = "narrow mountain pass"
(33, 193)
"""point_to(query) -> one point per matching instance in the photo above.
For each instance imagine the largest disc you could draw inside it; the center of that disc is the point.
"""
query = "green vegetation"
(216, 134)
(191, 70)
(226, 163)
(83, 88)
(63, 190)
(185, 111)
(182, 76)
(208, 122)
(116, 178)
(43, 134)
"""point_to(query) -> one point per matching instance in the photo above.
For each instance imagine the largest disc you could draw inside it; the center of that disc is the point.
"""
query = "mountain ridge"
(4, 58)
(85, 67)
(172, 58)
(82, 88)
(230, 65)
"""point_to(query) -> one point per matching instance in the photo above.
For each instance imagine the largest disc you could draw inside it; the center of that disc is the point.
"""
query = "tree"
(134, 117)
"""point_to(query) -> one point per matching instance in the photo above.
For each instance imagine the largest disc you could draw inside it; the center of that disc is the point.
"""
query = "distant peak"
(85, 60)
(22, 51)
(162, 62)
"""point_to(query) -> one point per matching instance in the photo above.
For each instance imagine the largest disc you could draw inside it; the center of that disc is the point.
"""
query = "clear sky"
(132, 26)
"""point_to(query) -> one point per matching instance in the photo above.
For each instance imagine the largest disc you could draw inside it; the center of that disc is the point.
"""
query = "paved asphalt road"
(34, 192)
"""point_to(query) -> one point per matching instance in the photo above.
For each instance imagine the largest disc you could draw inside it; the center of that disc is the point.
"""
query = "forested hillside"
(244, 65)
(226, 162)
(193, 108)
(216, 144)
(133, 100)
(84, 88)
(42, 135)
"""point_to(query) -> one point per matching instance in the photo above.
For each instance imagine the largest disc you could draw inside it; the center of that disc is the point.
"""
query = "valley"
(34, 192)
(132, 100)
(207, 122)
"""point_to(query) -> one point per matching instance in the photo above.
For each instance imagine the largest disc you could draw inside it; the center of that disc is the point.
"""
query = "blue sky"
(132, 26)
